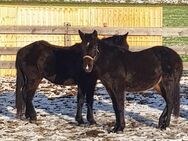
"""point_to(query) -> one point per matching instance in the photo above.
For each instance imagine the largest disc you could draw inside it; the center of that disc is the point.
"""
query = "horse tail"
(176, 110)
(168, 55)
(178, 73)
(20, 82)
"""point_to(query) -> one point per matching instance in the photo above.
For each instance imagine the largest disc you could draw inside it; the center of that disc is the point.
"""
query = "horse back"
(151, 65)
(57, 64)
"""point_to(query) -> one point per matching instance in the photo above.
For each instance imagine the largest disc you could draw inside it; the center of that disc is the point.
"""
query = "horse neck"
(104, 53)
(109, 53)
(76, 45)
(120, 44)
(111, 48)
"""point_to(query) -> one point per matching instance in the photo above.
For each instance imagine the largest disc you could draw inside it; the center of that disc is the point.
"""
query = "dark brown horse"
(60, 65)
(121, 70)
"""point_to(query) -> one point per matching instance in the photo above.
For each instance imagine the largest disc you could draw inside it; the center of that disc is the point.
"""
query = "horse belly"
(138, 86)
(69, 82)
(61, 81)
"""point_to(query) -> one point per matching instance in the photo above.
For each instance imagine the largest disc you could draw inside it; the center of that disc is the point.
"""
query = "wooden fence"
(29, 22)
(77, 15)
(59, 25)
(68, 31)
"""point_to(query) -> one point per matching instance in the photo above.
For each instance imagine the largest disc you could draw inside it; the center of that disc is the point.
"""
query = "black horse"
(120, 40)
(121, 70)
(60, 65)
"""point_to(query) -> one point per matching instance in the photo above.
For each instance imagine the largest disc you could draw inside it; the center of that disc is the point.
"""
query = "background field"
(176, 16)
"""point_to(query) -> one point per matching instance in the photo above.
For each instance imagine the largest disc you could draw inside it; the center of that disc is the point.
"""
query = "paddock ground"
(56, 108)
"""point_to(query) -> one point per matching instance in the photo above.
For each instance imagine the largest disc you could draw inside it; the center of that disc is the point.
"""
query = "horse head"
(120, 40)
(90, 49)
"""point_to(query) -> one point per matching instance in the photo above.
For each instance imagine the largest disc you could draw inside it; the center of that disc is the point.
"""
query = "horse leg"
(20, 104)
(117, 96)
(80, 102)
(20, 84)
(120, 120)
(29, 91)
(89, 101)
(167, 91)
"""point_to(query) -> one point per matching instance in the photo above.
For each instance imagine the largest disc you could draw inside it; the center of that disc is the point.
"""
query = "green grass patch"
(175, 16)
(184, 58)
(170, 41)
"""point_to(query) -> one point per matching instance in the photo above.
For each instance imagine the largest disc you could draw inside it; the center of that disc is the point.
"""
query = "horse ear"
(95, 33)
(125, 36)
(82, 35)
(125, 40)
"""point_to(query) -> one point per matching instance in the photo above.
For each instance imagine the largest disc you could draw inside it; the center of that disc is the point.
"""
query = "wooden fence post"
(67, 37)
(105, 25)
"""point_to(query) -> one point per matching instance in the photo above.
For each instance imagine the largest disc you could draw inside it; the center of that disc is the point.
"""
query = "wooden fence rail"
(183, 50)
(69, 30)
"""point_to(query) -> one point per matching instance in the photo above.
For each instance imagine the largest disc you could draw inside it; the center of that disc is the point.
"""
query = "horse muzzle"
(88, 62)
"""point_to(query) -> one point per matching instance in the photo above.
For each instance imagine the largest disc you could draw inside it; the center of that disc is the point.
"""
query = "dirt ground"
(56, 109)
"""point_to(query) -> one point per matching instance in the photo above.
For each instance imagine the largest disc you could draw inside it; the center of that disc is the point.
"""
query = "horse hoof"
(93, 122)
(80, 122)
(94, 125)
(33, 121)
(117, 130)
(162, 127)
(81, 125)
(19, 115)
(31, 116)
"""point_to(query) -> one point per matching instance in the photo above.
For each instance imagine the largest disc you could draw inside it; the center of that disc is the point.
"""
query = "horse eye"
(97, 49)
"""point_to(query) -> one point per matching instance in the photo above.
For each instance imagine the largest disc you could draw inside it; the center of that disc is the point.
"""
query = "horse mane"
(118, 40)
(105, 44)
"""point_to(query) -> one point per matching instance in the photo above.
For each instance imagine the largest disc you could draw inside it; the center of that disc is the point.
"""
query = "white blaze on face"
(87, 67)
